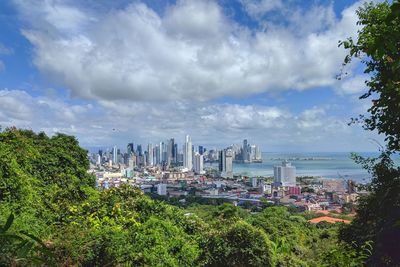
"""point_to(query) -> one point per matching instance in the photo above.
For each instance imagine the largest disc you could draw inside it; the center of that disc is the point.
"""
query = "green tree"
(239, 244)
(378, 47)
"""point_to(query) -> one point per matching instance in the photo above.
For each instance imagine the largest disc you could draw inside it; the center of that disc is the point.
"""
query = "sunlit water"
(328, 165)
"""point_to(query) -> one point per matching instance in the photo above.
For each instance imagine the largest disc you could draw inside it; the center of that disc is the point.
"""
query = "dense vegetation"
(62, 219)
(378, 47)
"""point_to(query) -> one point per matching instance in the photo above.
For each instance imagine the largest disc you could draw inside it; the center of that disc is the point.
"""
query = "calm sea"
(328, 165)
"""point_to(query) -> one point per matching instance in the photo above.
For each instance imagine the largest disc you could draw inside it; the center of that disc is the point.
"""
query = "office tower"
(139, 150)
(225, 163)
(198, 163)
(187, 154)
(252, 153)
(258, 154)
(245, 151)
(130, 149)
(164, 153)
(114, 155)
(201, 150)
(285, 175)
(150, 157)
(157, 155)
(170, 151)
(176, 156)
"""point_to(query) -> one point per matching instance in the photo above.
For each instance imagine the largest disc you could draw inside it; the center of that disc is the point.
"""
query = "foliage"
(378, 213)
(21, 247)
(45, 183)
(378, 47)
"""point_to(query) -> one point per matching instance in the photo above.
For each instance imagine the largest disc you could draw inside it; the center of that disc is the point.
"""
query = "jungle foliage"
(52, 214)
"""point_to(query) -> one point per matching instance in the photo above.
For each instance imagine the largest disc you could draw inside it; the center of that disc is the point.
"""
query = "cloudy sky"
(110, 72)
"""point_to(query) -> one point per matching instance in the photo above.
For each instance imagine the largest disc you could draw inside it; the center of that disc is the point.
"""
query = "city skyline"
(107, 72)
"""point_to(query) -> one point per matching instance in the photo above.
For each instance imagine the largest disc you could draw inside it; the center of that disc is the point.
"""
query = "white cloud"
(193, 52)
(353, 85)
(209, 124)
(259, 8)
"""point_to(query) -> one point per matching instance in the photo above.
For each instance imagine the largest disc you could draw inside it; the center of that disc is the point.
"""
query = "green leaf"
(8, 223)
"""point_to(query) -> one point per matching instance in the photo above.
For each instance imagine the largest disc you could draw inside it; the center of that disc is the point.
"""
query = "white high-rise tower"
(285, 175)
(187, 154)
(115, 157)
(198, 164)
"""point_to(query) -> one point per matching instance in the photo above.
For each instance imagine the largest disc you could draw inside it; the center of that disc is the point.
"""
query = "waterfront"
(324, 164)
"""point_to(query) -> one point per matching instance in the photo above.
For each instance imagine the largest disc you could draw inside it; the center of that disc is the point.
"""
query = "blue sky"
(114, 71)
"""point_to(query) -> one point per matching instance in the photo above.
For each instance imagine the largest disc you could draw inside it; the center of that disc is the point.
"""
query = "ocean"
(335, 165)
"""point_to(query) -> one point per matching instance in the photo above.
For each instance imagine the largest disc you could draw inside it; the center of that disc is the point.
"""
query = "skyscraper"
(225, 163)
(176, 153)
(130, 148)
(139, 150)
(245, 151)
(115, 155)
(150, 157)
(170, 151)
(187, 154)
(198, 163)
(285, 175)
(201, 150)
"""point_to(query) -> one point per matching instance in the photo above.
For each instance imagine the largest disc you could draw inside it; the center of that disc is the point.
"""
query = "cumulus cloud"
(353, 85)
(209, 124)
(259, 8)
(194, 51)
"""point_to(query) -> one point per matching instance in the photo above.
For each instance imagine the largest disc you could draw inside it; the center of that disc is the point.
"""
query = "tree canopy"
(378, 47)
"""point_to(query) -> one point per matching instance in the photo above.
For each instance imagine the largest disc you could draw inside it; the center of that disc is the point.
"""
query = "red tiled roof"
(327, 219)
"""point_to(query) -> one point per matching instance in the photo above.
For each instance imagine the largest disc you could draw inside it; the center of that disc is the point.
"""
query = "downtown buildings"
(167, 155)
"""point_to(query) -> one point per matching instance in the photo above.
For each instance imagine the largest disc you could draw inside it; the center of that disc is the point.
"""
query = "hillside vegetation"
(61, 219)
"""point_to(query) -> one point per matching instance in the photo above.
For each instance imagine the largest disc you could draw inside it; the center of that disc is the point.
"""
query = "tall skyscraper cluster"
(248, 153)
(166, 154)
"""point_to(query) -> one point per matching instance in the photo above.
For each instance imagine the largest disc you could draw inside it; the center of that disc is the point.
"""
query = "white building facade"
(285, 175)
(187, 154)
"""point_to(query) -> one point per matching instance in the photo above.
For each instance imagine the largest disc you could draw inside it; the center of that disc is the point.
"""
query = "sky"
(113, 72)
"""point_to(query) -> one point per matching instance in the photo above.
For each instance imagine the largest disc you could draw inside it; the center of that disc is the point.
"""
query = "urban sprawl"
(165, 170)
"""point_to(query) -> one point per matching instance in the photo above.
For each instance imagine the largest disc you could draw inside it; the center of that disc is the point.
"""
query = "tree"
(239, 244)
(378, 47)
(378, 214)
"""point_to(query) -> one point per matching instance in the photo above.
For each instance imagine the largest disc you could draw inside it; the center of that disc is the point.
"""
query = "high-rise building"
(201, 150)
(245, 151)
(157, 155)
(285, 175)
(114, 155)
(198, 164)
(130, 149)
(176, 156)
(170, 151)
(150, 157)
(187, 154)
(225, 163)
(139, 150)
